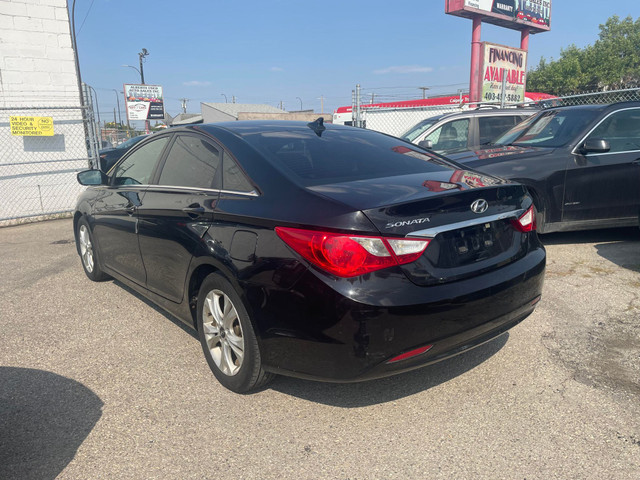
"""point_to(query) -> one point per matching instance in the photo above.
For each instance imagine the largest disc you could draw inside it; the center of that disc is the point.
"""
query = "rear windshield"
(342, 155)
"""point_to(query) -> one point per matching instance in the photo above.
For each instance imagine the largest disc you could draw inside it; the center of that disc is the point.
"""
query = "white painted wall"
(37, 69)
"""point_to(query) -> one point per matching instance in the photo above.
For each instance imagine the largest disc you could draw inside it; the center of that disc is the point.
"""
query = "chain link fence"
(38, 173)
(597, 97)
(396, 121)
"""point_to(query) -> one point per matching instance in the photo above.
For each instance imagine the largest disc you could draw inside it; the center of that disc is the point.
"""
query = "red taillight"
(527, 221)
(410, 354)
(351, 255)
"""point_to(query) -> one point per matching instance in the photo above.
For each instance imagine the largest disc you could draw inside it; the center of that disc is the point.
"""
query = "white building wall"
(38, 78)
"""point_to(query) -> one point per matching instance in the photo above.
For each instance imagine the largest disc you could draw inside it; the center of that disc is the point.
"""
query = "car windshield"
(130, 143)
(342, 155)
(553, 128)
(415, 131)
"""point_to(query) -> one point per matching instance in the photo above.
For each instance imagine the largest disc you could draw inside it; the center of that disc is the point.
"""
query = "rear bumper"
(345, 331)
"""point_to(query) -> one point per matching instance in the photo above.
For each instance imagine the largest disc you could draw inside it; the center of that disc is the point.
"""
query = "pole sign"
(534, 15)
(31, 126)
(144, 102)
(500, 62)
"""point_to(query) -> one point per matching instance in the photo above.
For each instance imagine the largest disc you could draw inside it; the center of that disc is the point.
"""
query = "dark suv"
(453, 131)
(580, 164)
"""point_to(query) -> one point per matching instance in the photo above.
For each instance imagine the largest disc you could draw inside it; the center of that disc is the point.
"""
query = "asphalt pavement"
(97, 383)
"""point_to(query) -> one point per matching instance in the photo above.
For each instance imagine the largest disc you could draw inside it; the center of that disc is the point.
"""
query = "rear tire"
(228, 338)
(89, 253)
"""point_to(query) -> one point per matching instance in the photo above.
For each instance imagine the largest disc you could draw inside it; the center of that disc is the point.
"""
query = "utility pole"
(142, 54)
(184, 104)
(233, 99)
(373, 98)
(321, 103)
(424, 91)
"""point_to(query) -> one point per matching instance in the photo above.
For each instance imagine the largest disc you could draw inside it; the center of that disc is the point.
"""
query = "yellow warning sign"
(31, 126)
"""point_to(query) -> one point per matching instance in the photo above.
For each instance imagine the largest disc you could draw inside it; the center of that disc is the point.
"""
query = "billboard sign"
(500, 62)
(144, 102)
(515, 14)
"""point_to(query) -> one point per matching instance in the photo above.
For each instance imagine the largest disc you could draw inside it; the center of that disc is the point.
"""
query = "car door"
(604, 185)
(177, 211)
(115, 215)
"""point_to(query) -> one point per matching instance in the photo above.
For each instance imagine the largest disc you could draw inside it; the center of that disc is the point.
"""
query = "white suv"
(453, 131)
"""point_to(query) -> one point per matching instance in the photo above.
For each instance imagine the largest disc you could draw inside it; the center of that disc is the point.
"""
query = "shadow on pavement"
(624, 254)
(176, 321)
(352, 395)
(44, 418)
(631, 234)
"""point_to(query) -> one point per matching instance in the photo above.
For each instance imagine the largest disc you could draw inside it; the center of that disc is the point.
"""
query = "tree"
(613, 61)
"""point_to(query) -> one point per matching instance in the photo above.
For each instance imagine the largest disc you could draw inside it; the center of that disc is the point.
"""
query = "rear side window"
(621, 129)
(492, 127)
(138, 167)
(233, 178)
(191, 162)
(342, 155)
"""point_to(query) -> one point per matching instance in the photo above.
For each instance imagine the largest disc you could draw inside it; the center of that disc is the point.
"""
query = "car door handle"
(130, 209)
(194, 209)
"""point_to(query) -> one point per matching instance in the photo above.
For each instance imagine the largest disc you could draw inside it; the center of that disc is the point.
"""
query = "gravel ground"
(97, 383)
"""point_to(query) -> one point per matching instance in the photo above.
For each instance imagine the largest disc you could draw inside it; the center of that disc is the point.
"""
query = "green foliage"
(613, 61)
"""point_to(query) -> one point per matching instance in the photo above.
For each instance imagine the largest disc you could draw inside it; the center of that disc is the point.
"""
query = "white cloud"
(403, 69)
(196, 83)
(276, 69)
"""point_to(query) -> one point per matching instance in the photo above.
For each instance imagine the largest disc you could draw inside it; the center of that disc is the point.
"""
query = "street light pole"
(225, 98)
(300, 103)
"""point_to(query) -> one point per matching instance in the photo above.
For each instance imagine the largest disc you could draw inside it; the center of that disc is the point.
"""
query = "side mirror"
(92, 177)
(426, 144)
(595, 145)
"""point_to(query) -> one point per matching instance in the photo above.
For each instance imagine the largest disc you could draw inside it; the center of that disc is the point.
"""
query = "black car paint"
(573, 189)
(163, 241)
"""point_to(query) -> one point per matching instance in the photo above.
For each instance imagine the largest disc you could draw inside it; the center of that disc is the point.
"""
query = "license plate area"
(469, 245)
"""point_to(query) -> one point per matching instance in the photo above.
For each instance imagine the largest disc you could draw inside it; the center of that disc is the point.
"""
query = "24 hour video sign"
(144, 102)
(22, 126)
(500, 62)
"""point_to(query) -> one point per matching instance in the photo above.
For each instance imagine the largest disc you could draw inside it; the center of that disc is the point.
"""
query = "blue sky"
(281, 50)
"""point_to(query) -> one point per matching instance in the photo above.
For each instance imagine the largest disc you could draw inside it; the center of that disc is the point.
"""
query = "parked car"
(109, 156)
(315, 251)
(580, 164)
(453, 131)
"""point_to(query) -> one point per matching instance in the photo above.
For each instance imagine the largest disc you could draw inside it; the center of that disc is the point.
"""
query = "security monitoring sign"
(144, 102)
(31, 126)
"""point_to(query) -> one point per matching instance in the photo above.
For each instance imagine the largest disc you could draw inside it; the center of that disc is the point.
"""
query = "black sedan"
(109, 156)
(580, 163)
(323, 252)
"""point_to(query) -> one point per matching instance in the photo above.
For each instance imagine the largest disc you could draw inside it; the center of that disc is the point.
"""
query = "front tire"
(88, 252)
(227, 337)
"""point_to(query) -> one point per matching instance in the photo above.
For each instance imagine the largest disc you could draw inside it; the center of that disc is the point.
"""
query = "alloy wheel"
(223, 332)
(86, 248)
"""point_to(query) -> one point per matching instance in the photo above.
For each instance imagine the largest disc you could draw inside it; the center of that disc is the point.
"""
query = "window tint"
(491, 127)
(232, 177)
(451, 135)
(192, 162)
(342, 155)
(138, 167)
(621, 129)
